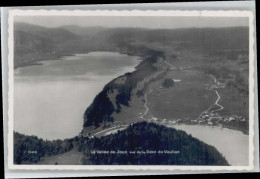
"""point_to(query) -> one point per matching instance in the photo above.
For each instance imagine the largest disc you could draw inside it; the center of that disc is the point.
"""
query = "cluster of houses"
(207, 118)
(164, 121)
(215, 118)
(219, 85)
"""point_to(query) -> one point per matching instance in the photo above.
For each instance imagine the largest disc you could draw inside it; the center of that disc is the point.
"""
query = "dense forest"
(167, 83)
(146, 143)
(30, 149)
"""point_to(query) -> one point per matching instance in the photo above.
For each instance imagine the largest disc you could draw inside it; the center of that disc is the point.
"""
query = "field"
(186, 100)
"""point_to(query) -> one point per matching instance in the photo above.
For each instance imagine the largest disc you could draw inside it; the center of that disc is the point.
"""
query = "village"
(213, 119)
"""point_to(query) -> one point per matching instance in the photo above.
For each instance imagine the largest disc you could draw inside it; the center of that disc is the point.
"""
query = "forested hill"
(101, 109)
(148, 143)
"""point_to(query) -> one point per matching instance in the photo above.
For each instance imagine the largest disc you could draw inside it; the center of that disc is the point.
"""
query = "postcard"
(154, 90)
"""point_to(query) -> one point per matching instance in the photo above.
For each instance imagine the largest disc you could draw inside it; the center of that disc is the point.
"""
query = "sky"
(140, 22)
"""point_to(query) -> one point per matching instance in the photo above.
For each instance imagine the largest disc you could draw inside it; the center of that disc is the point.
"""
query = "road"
(216, 102)
(145, 105)
(104, 130)
(211, 88)
(172, 67)
(145, 80)
(114, 127)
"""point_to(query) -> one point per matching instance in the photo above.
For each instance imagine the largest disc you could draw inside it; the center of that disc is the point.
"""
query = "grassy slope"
(72, 157)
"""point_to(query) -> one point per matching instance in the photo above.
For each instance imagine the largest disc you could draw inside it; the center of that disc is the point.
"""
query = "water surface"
(50, 99)
(232, 144)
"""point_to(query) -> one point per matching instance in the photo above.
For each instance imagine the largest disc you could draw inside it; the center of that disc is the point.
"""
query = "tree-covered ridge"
(167, 83)
(101, 109)
(30, 149)
(148, 137)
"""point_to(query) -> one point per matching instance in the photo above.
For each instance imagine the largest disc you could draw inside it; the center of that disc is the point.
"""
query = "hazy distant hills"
(55, 35)
(205, 38)
(83, 31)
(34, 43)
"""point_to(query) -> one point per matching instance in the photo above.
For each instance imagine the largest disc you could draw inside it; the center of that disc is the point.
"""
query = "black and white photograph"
(137, 88)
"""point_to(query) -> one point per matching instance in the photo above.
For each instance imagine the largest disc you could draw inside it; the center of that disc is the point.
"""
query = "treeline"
(234, 79)
(101, 109)
(145, 137)
(30, 149)
(243, 126)
(240, 84)
(220, 72)
(168, 82)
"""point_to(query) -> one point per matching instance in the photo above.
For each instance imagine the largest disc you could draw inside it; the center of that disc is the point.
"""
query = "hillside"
(101, 110)
(33, 44)
(148, 143)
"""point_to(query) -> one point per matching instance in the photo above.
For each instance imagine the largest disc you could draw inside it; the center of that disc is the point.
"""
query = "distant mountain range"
(35, 43)
(83, 31)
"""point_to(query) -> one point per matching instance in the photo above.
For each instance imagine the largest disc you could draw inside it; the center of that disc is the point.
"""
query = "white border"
(161, 13)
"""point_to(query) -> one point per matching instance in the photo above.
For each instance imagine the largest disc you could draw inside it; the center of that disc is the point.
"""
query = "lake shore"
(230, 143)
(67, 85)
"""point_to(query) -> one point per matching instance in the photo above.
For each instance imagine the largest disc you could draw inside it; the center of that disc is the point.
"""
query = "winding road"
(216, 102)
(145, 105)
(172, 66)
(211, 88)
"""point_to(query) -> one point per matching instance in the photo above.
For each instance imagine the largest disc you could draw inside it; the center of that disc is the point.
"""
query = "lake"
(234, 145)
(50, 99)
